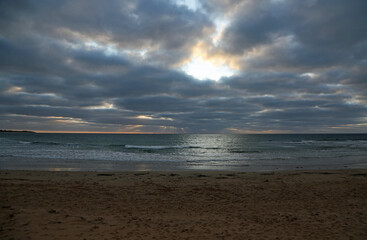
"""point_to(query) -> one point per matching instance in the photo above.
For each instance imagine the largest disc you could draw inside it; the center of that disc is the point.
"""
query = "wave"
(113, 145)
(49, 143)
(46, 143)
(341, 139)
(6, 140)
(301, 142)
(244, 151)
(157, 147)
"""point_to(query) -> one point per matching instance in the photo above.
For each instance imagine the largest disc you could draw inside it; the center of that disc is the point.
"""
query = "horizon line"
(99, 132)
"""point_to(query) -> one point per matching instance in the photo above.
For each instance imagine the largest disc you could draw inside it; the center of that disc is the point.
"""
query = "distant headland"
(20, 131)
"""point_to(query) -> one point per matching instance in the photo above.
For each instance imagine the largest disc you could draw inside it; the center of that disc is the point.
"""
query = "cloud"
(308, 34)
(96, 66)
(159, 28)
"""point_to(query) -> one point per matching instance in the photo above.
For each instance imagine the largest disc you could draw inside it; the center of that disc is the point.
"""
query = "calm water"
(109, 152)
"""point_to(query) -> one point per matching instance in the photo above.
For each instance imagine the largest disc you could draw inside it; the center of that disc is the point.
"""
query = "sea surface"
(126, 152)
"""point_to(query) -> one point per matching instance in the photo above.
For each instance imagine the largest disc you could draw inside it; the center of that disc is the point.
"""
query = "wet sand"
(183, 205)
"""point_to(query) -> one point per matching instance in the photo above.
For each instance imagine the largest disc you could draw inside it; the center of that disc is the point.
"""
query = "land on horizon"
(92, 132)
(23, 131)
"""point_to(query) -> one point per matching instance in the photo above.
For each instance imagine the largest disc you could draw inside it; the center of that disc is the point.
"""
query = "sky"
(184, 66)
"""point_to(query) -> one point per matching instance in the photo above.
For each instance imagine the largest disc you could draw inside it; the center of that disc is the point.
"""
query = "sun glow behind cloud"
(125, 66)
(205, 69)
(204, 65)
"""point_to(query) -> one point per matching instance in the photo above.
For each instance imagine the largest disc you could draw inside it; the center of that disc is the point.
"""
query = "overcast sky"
(184, 66)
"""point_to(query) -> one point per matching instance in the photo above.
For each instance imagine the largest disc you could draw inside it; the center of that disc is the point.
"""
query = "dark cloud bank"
(113, 66)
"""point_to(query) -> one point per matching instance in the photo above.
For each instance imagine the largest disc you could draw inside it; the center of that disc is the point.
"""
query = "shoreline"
(300, 204)
(77, 165)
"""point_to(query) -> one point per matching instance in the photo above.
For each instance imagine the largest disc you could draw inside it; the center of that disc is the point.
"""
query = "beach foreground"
(184, 205)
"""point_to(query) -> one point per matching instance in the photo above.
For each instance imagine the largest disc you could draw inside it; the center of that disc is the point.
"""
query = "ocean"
(161, 152)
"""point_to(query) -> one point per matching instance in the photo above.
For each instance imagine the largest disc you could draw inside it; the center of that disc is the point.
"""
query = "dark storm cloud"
(112, 66)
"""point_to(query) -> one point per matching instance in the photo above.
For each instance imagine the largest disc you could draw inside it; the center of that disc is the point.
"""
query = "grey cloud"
(158, 104)
(19, 99)
(277, 84)
(155, 25)
(357, 79)
(317, 23)
(255, 24)
(318, 33)
(338, 114)
(46, 71)
(220, 7)
(232, 105)
(91, 73)
(285, 54)
(330, 23)
(99, 61)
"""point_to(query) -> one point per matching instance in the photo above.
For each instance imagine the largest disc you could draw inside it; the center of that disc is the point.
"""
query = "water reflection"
(63, 169)
(143, 167)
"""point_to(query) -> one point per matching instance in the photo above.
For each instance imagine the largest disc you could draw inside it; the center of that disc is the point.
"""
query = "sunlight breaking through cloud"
(236, 66)
(206, 70)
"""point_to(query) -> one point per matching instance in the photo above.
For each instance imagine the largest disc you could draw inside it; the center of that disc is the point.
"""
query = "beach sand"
(183, 205)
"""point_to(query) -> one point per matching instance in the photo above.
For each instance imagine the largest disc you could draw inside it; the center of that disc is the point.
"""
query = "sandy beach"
(184, 205)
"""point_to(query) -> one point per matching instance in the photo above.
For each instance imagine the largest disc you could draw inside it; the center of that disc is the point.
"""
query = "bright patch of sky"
(204, 69)
(220, 25)
(201, 68)
(191, 4)
(309, 74)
